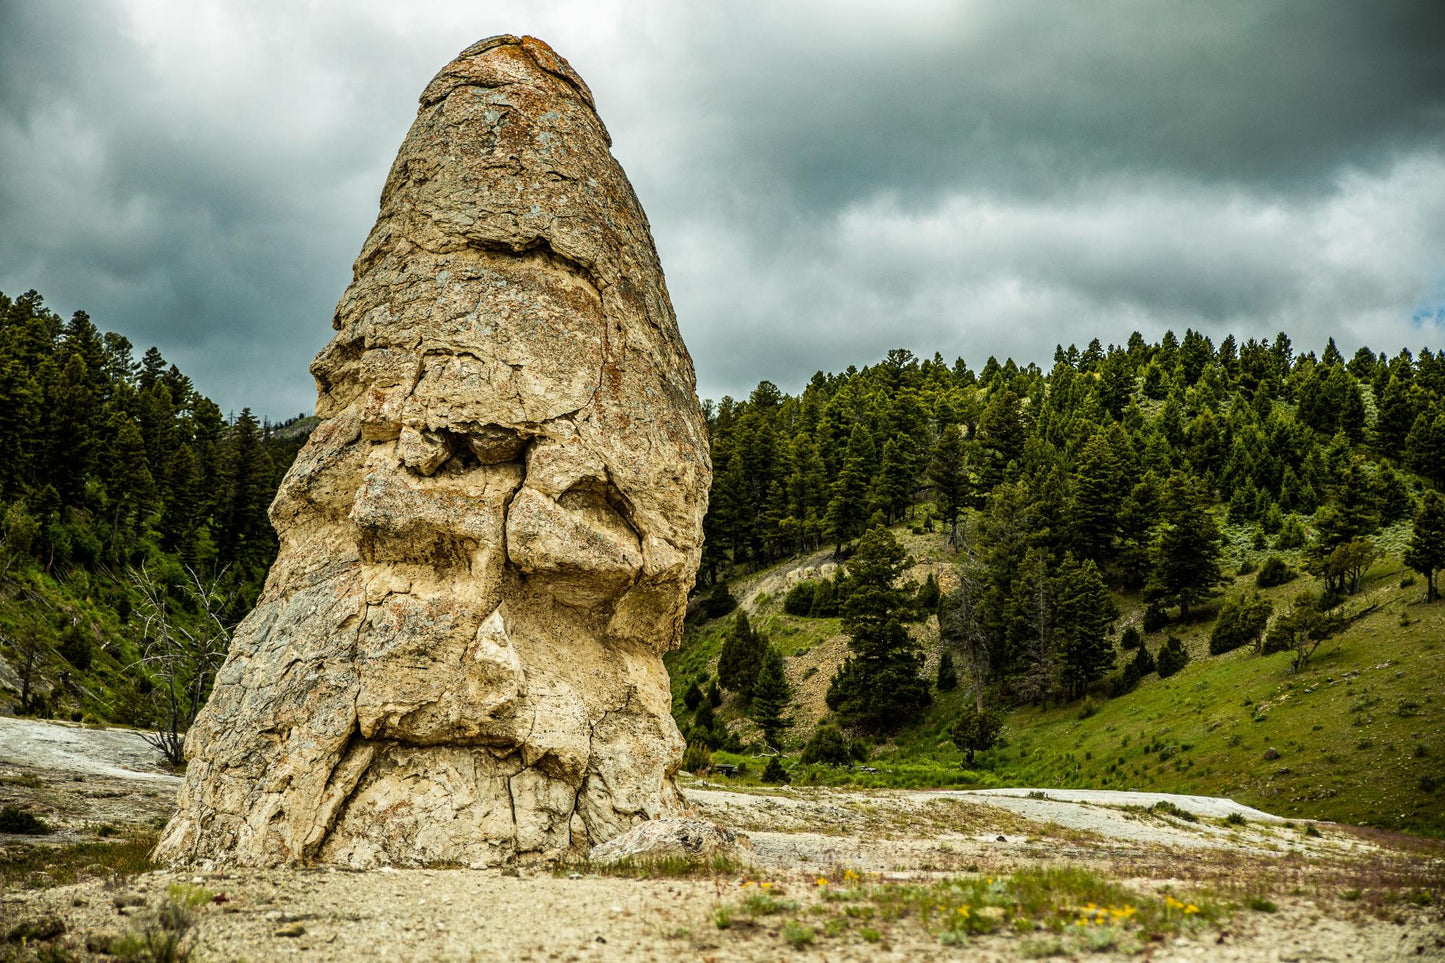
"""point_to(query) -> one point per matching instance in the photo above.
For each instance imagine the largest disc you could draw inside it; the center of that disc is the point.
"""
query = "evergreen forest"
(911, 562)
(132, 515)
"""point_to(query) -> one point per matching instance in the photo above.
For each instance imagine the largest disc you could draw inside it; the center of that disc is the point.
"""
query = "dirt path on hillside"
(888, 839)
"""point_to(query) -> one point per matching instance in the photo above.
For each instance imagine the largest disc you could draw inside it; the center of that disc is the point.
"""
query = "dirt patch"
(1272, 891)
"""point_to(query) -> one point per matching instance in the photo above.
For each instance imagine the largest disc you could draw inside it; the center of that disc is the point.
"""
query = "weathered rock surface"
(674, 838)
(487, 543)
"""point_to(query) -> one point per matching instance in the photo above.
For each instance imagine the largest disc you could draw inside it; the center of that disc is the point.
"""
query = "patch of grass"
(1085, 909)
(797, 934)
(43, 867)
(764, 903)
(189, 894)
(1166, 808)
(27, 780)
(668, 867)
(1261, 905)
(22, 822)
(1235, 819)
(1041, 949)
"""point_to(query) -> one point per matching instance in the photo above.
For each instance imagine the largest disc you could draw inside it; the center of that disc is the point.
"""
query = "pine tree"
(1186, 554)
(1172, 657)
(1426, 551)
(975, 731)
(849, 493)
(1098, 497)
(1241, 621)
(74, 412)
(741, 658)
(947, 475)
(771, 695)
(947, 674)
(879, 687)
(1083, 614)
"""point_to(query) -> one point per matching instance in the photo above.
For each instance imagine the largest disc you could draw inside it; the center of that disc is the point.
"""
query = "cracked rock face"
(487, 543)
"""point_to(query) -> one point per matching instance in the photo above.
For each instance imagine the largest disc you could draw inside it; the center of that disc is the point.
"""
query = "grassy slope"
(1360, 734)
(103, 692)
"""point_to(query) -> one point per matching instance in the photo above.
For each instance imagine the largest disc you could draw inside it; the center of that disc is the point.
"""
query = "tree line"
(1113, 471)
(111, 465)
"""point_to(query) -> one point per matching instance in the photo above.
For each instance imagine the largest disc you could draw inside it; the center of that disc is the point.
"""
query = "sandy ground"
(80, 778)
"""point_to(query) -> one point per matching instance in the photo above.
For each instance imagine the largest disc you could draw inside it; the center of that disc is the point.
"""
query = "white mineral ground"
(84, 776)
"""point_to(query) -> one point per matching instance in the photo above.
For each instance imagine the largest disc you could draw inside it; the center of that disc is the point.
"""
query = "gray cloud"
(825, 181)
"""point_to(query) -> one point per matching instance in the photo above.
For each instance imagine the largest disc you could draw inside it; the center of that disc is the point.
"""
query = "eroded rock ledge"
(487, 543)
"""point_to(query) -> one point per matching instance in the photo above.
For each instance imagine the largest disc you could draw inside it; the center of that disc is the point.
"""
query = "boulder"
(674, 838)
(487, 543)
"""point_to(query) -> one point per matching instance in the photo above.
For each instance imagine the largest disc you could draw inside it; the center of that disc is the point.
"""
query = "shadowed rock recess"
(487, 543)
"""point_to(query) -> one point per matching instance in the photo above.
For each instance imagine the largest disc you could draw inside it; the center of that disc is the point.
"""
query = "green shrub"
(774, 774)
(1291, 535)
(1241, 621)
(696, 758)
(1273, 572)
(1172, 657)
(825, 600)
(720, 602)
(1143, 662)
(926, 602)
(1130, 639)
(1155, 619)
(22, 822)
(799, 600)
(76, 646)
(828, 746)
(947, 674)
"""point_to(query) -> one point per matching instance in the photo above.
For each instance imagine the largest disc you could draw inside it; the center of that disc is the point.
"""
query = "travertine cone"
(487, 543)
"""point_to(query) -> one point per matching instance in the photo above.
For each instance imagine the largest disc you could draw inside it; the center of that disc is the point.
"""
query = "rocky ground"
(909, 875)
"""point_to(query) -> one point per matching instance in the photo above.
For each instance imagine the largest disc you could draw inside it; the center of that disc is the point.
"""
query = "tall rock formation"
(487, 543)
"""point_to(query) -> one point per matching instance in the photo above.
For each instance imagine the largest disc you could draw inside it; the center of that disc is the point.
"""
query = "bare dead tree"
(183, 660)
(958, 623)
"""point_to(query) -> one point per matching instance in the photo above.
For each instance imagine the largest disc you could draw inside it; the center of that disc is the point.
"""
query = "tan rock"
(675, 838)
(487, 543)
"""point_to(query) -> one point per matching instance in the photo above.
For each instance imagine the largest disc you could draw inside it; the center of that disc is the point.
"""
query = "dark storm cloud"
(825, 181)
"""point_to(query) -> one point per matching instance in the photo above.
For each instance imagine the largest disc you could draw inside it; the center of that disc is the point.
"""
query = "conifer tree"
(947, 476)
(1186, 553)
(771, 695)
(741, 658)
(849, 493)
(1083, 614)
(947, 674)
(975, 730)
(1098, 497)
(879, 687)
(1426, 551)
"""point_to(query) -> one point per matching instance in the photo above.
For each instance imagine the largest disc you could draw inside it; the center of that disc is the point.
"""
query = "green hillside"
(1358, 736)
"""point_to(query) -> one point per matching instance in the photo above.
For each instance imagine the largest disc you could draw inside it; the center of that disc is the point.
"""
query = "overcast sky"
(825, 181)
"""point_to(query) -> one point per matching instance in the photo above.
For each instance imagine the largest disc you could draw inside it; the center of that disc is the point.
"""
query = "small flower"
(1191, 908)
(766, 885)
(963, 911)
(822, 881)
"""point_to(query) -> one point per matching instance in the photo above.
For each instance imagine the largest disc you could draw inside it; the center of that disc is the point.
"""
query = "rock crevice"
(487, 543)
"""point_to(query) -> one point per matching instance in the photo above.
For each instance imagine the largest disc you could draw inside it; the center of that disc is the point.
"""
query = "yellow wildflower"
(1191, 908)
(766, 885)
(963, 911)
(822, 881)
